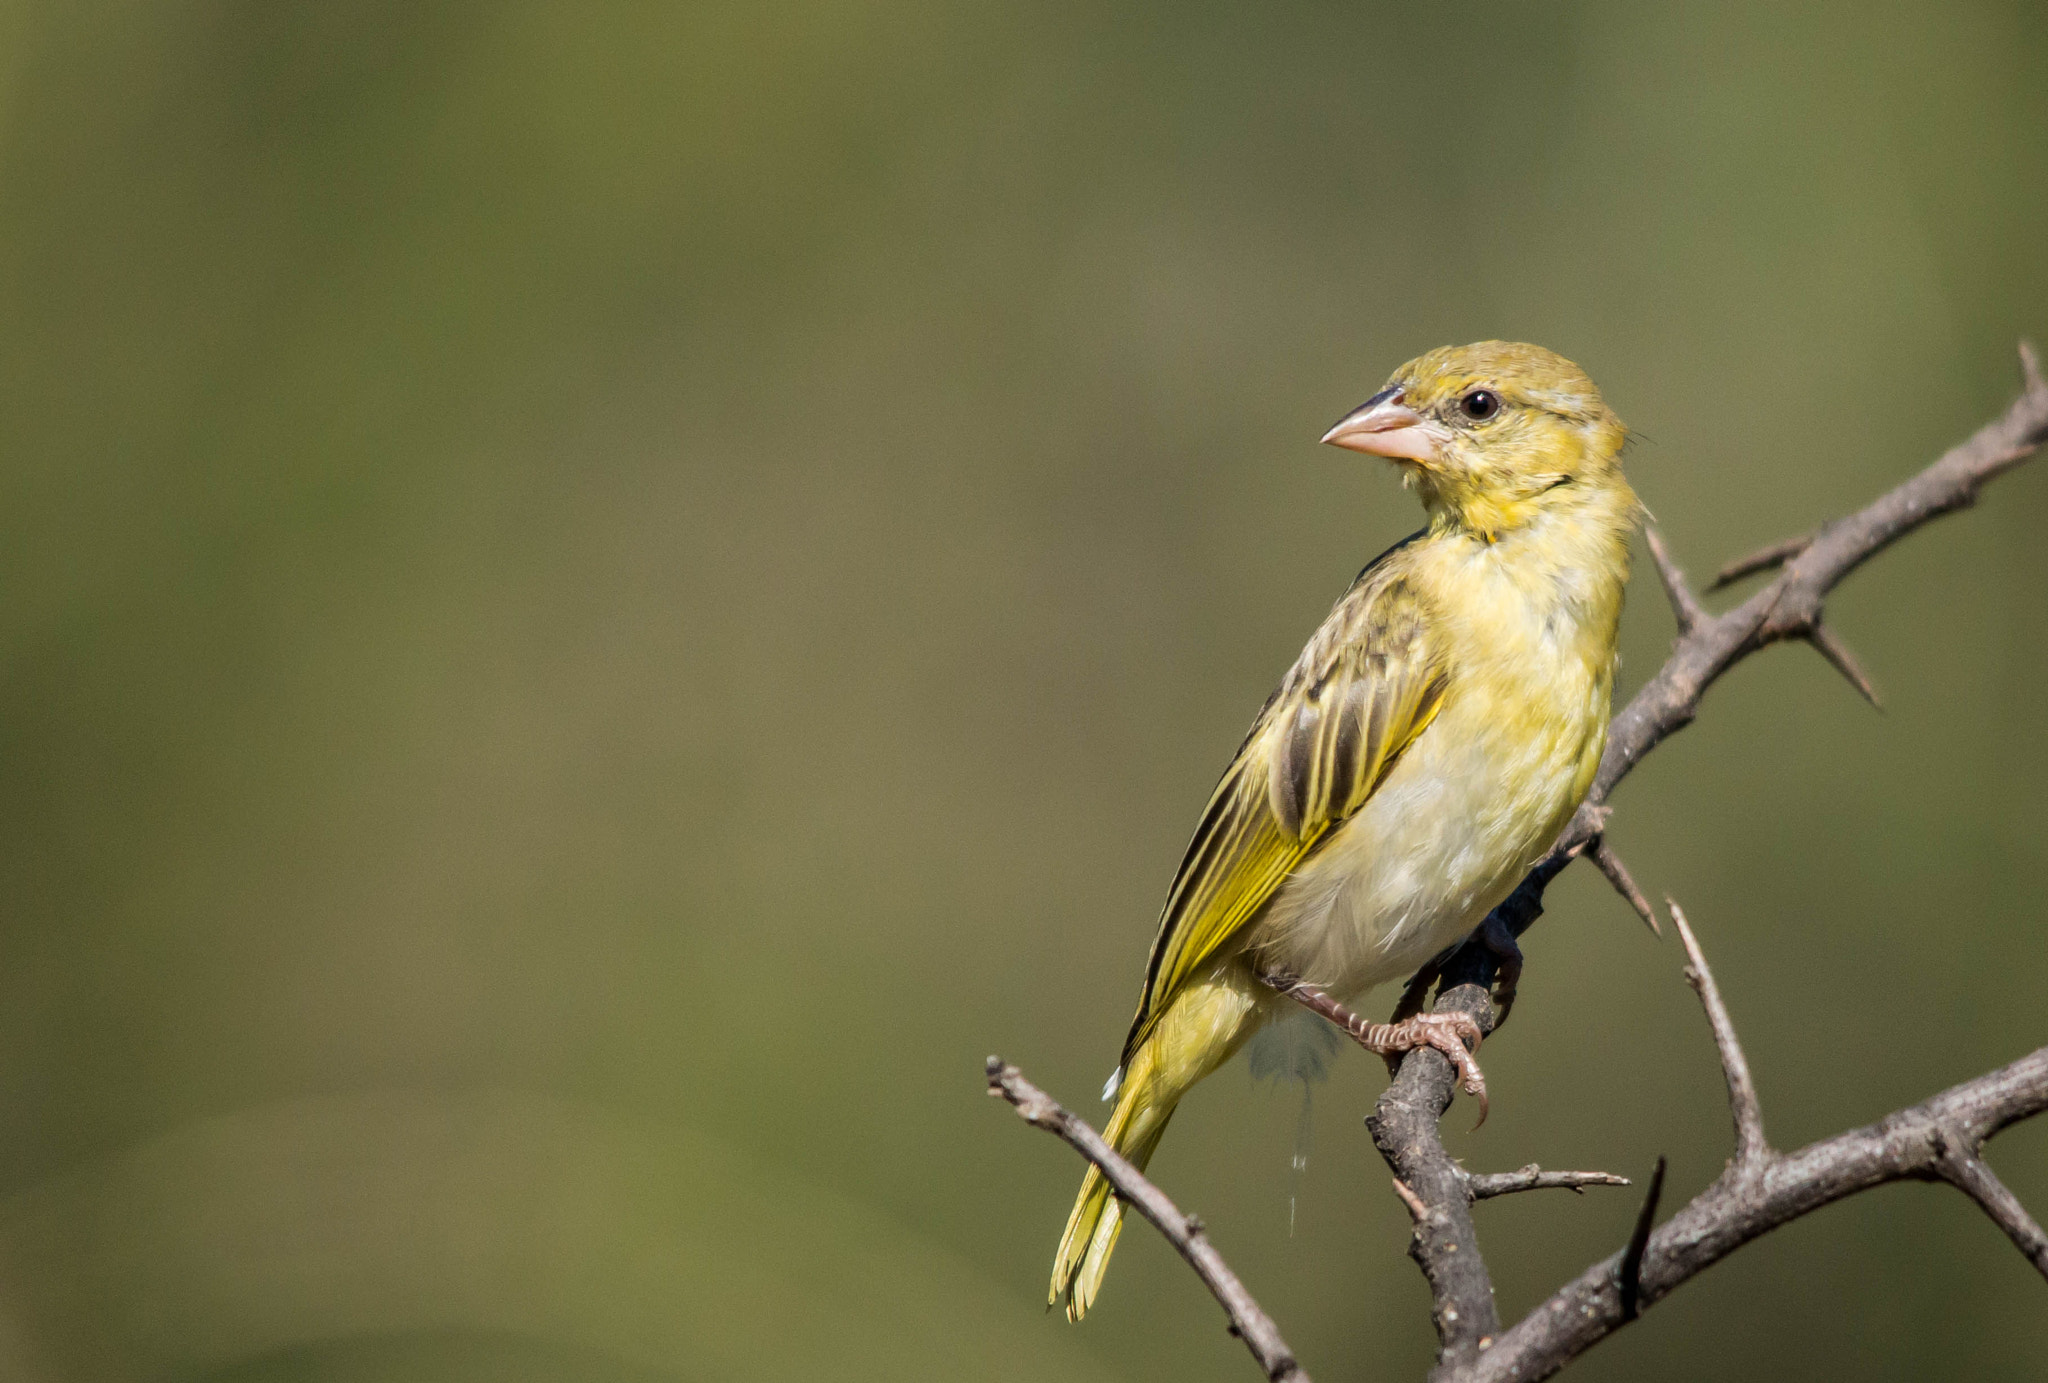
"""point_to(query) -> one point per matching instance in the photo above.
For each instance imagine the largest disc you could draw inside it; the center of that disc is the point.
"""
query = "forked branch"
(1790, 606)
(1938, 1140)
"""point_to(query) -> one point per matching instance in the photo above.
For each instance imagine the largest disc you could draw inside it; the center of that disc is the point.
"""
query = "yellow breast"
(1531, 628)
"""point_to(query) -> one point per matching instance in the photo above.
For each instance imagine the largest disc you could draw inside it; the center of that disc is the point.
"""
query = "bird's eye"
(1480, 404)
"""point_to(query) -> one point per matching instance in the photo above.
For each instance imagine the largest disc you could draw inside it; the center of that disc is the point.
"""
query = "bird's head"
(1494, 435)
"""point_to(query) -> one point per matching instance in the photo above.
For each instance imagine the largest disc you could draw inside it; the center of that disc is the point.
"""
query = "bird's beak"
(1384, 426)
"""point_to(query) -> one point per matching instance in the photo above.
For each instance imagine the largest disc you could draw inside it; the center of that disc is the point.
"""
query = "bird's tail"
(1198, 1034)
(1134, 1129)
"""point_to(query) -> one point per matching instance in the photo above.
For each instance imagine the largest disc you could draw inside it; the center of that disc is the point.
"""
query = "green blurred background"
(600, 600)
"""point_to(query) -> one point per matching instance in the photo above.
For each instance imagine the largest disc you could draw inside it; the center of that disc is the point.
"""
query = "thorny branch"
(1790, 606)
(1940, 1139)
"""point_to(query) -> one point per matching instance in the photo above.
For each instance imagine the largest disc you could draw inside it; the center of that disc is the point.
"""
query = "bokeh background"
(600, 600)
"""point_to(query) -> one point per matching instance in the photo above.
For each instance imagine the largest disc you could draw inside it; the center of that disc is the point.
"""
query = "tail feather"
(1208, 1022)
(1098, 1216)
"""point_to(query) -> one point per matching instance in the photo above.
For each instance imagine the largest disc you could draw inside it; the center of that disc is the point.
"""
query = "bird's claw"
(1453, 1034)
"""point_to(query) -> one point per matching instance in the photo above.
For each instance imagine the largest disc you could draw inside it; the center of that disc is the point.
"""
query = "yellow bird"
(1423, 752)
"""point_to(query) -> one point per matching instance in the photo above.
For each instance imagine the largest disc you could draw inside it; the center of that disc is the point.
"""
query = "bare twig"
(1685, 606)
(1486, 1185)
(1966, 1171)
(1751, 1147)
(1610, 864)
(1248, 1320)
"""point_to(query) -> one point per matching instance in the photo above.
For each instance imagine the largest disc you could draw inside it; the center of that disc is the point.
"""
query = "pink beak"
(1384, 426)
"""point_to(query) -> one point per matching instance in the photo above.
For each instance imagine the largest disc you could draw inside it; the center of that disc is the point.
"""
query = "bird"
(1429, 744)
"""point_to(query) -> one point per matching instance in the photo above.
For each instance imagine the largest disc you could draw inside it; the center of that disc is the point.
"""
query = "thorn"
(1830, 646)
(1638, 1240)
(2030, 368)
(1685, 606)
(1763, 559)
(1416, 1209)
(1617, 874)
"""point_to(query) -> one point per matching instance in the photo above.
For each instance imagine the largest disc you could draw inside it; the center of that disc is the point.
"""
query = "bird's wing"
(1368, 683)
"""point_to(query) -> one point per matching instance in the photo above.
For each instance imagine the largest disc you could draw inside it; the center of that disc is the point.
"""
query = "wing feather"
(1368, 683)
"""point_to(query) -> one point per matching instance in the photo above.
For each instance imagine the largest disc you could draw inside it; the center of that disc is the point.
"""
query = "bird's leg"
(1449, 1033)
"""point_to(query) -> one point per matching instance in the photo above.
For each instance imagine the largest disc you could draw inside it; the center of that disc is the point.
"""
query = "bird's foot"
(1499, 938)
(1453, 1034)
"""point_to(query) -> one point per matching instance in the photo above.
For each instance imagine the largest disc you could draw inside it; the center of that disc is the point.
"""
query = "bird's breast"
(1463, 814)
